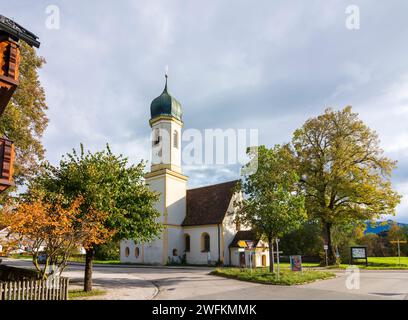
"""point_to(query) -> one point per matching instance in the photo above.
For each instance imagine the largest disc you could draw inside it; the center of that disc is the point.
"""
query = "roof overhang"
(17, 32)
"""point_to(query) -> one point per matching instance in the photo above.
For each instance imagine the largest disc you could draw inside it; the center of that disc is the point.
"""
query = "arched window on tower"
(175, 139)
(156, 137)
(205, 242)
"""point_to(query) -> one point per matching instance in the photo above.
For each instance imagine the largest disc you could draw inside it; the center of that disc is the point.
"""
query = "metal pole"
(399, 253)
(250, 260)
(327, 260)
(277, 256)
(273, 256)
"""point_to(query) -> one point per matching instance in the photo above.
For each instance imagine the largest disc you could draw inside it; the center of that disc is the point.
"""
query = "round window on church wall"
(137, 252)
(127, 252)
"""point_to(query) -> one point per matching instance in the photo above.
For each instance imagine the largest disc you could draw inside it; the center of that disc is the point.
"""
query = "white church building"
(199, 224)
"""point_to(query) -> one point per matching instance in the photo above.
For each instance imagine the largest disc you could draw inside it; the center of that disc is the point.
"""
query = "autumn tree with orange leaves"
(55, 229)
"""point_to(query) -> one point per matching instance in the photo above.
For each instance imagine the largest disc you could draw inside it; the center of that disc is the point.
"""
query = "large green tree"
(344, 173)
(272, 204)
(24, 119)
(108, 183)
(306, 241)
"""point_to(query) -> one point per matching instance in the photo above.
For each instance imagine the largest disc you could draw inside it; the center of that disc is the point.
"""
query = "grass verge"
(380, 263)
(286, 277)
(78, 294)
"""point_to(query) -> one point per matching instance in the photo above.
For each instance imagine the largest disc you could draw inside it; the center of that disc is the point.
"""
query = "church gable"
(208, 205)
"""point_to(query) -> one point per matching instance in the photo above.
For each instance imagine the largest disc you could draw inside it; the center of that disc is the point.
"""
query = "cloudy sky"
(232, 64)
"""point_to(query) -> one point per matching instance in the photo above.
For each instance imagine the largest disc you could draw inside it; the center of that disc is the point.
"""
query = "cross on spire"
(165, 87)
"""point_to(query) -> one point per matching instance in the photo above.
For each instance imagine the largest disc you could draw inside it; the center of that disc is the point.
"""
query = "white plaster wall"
(157, 184)
(153, 252)
(229, 227)
(234, 257)
(195, 256)
(176, 200)
(257, 257)
(150, 253)
(164, 129)
(175, 156)
(132, 257)
(170, 154)
(123, 245)
(176, 241)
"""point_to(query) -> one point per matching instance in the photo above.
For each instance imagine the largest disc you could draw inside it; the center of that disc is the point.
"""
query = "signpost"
(326, 247)
(242, 243)
(398, 242)
(357, 253)
(246, 246)
(277, 256)
(250, 245)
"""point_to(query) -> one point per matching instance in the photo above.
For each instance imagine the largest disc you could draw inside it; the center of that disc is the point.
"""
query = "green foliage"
(107, 183)
(344, 173)
(381, 263)
(108, 251)
(375, 245)
(272, 205)
(397, 233)
(286, 277)
(306, 241)
(345, 235)
(78, 294)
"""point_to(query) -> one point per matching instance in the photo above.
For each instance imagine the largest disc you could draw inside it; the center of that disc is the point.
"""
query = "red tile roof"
(208, 205)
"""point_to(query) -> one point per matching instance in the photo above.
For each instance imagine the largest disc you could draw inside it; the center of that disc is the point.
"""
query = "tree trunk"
(331, 257)
(271, 257)
(88, 269)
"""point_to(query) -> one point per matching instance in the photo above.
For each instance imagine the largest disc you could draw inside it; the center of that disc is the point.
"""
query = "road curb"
(141, 266)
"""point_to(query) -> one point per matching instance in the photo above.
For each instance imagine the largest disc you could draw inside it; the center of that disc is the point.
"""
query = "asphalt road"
(124, 282)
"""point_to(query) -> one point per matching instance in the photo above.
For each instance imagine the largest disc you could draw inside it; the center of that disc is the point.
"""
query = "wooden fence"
(51, 289)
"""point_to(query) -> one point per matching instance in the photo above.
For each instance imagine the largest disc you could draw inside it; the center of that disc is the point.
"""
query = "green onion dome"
(165, 105)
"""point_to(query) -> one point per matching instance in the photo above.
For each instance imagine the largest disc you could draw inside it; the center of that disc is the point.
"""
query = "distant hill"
(381, 226)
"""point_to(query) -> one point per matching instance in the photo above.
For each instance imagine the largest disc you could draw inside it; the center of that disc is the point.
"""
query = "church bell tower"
(166, 178)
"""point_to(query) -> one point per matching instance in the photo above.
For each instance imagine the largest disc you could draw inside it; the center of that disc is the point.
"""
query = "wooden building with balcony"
(10, 35)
